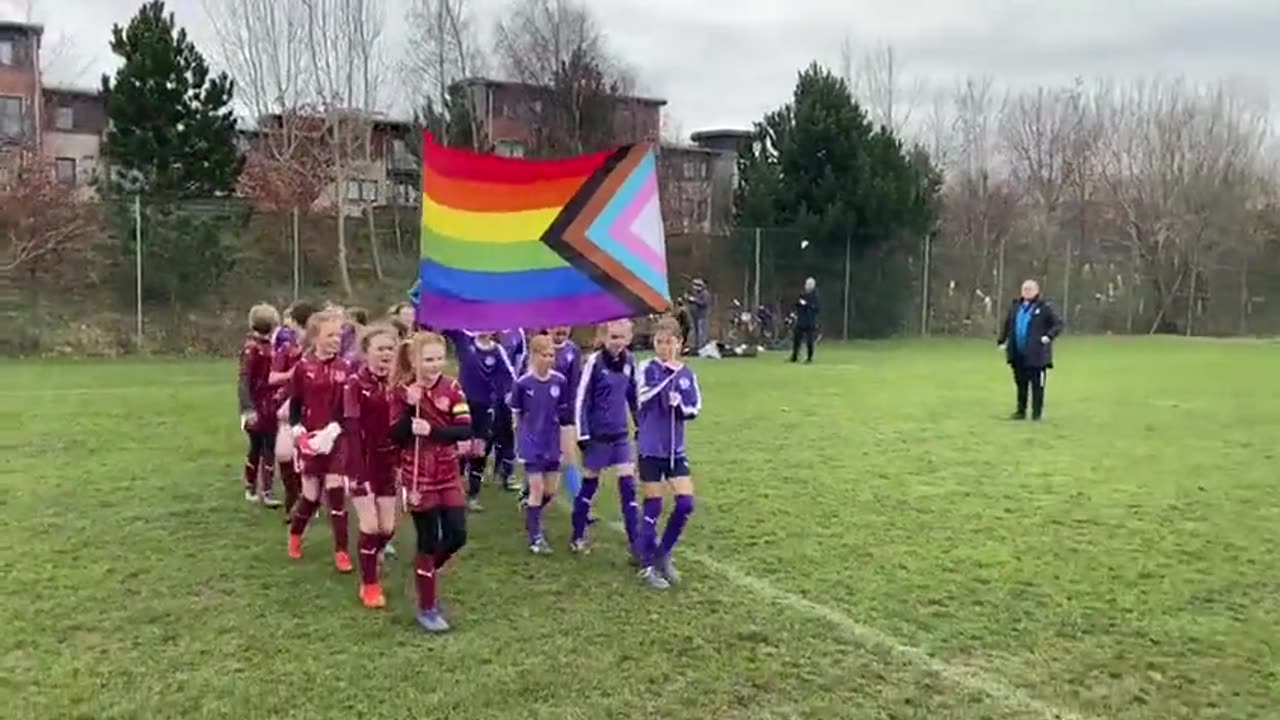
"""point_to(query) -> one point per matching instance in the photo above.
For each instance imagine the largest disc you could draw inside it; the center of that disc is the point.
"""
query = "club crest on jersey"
(442, 403)
(340, 376)
(683, 383)
(488, 361)
(555, 391)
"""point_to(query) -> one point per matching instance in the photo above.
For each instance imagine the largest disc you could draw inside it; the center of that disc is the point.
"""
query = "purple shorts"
(598, 455)
(541, 465)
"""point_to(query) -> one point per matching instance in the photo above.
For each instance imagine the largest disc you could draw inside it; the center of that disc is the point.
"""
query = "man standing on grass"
(1027, 337)
(806, 325)
(699, 303)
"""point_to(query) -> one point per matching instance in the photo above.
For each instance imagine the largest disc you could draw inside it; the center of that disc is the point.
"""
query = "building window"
(64, 118)
(11, 116)
(509, 148)
(407, 194)
(64, 169)
(363, 191)
(7, 54)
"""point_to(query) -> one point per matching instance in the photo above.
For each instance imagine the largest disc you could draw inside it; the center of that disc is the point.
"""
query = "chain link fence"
(177, 277)
(944, 286)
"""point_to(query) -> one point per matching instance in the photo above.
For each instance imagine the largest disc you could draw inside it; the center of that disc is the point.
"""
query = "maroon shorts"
(450, 497)
(321, 465)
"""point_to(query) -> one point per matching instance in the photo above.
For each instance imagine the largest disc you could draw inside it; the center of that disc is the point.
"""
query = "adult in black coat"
(1027, 336)
(806, 328)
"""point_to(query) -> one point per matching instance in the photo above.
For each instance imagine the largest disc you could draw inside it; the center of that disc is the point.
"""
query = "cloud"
(726, 62)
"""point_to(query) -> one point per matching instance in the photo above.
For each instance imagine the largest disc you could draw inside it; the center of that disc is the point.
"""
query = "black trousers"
(441, 530)
(1030, 381)
(806, 335)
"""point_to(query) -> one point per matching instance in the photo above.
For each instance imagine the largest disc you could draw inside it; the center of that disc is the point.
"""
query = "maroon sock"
(337, 498)
(424, 577)
(384, 539)
(292, 485)
(369, 558)
(302, 513)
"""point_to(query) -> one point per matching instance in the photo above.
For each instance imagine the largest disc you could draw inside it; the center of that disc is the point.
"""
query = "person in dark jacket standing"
(806, 326)
(1027, 336)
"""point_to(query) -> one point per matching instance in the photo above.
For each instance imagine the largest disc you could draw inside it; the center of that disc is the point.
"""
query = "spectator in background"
(699, 302)
(686, 323)
(806, 325)
(1027, 337)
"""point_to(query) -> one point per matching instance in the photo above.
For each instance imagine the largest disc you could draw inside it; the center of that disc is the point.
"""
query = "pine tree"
(171, 122)
(820, 168)
(172, 141)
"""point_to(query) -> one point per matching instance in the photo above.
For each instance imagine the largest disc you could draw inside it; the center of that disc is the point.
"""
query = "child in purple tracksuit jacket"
(515, 345)
(669, 397)
(540, 404)
(486, 373)
(605, 396)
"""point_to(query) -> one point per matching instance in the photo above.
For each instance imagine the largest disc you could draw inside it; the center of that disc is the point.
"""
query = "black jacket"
(807, 308)
(1044, 323)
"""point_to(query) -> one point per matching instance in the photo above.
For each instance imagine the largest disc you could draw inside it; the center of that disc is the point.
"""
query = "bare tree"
(40, 218)
(443, 48)
(879, 84)
(343, 40)
(556, 50)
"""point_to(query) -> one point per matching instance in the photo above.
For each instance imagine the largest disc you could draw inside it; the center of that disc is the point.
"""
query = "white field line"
(969, 678)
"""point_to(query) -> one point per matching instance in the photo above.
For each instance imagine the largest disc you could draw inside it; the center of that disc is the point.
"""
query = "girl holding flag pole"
(433, 418)
(668, 398)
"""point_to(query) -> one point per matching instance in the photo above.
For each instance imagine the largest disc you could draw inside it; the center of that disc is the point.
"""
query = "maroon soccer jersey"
(318, 384)
(283, 360)
(366, 423)
(255, 370)
(429, 467)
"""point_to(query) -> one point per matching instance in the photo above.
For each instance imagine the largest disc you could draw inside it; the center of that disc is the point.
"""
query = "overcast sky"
(722, 63)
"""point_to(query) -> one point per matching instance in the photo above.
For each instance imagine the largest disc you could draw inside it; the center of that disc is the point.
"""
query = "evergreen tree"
(171, 122)
(819, 167)
(172, 140)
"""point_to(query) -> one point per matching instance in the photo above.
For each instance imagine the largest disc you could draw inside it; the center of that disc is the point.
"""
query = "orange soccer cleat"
(295, 547)
(371, 596)
(342, 561)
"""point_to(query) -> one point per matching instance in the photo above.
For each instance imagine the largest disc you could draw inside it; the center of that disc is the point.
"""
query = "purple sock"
(630, 511)
(675, 525)
(649, 530)
(533, 522)
(582, 506)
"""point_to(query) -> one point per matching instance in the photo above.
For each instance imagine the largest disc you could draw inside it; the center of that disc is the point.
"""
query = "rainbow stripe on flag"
(509, 242)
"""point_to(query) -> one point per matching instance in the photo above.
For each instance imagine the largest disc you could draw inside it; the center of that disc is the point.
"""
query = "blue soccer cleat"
(540, 547)
(650, 577)
(667, 569)
(432, 621)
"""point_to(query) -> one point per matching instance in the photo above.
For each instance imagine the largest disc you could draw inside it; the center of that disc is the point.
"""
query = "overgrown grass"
(1118, 560)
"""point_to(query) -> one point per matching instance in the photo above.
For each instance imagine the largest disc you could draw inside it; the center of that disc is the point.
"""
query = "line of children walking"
(397, 428)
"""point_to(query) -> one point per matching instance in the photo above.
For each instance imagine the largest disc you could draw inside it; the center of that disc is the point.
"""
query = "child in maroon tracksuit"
(257, 411)
(370, 454)
(433, 418)
(315, 408)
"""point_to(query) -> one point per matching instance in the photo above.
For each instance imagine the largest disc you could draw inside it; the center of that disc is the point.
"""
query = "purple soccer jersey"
(669, 397)
(606, 393)
(540, 406)
(486, 373)
(569, 363)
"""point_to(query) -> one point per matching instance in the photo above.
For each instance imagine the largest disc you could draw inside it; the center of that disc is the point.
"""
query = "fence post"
(844, 335)
(755, 291)
(137, 262)
(924, 288)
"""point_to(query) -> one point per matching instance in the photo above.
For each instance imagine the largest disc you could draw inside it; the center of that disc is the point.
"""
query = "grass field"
(873, 540)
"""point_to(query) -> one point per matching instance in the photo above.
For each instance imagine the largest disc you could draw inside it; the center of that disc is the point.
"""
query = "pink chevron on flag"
(638, 216)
